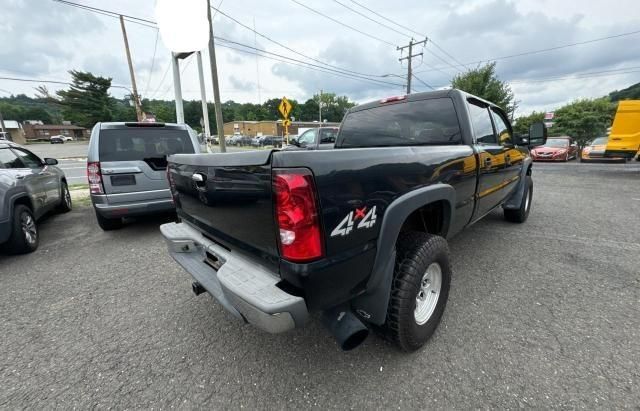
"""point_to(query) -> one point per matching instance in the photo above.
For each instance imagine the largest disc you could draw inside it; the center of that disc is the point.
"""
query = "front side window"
(481, 121)
(413, 123)
(28, 159)
(9, 160)
(308, 137)
(504, 132)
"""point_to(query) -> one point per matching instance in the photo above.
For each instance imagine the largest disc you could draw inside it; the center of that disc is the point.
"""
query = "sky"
(43, 39)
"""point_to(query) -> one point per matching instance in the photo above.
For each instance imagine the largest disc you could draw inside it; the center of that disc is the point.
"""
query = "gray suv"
(126, 168)
(29, 188)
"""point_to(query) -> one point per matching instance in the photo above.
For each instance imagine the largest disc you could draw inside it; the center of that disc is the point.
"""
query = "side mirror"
(537, 134)
(294, 141)
(51, 161)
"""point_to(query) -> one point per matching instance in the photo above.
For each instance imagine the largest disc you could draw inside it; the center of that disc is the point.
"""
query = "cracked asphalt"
(543, 315)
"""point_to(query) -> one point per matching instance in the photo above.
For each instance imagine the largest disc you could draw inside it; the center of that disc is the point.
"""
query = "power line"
(66, 83)
(563, 46)
(139, 20)
(592, 74)
(289, 48)
(306, 63)
(408, 29)
(153, 62)
(370, 19)
(343, 24)
(423, 82)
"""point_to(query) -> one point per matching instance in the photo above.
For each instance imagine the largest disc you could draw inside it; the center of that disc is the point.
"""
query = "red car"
(556, 149)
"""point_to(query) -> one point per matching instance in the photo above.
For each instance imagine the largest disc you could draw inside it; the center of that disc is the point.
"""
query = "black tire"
(416, 252)
(108, 224)
(19, 241)
(521, 214)
(66, 204)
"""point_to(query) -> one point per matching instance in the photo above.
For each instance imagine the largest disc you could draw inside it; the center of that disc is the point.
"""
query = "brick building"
(268, 128)
(45, 131)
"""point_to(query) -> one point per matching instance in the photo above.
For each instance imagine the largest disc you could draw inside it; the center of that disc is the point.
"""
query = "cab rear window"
(143, 144)
(414, 123)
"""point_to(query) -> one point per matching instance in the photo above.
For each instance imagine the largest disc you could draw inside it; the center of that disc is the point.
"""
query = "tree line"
(87, 101)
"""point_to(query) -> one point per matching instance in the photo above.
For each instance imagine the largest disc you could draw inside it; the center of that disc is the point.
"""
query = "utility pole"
(136, 97)
(2, 123)
(409, 57)
(203, 97)
(216, 86)
(320, 108)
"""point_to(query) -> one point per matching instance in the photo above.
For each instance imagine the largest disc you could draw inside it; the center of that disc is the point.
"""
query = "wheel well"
(24, 201)
(432, 218)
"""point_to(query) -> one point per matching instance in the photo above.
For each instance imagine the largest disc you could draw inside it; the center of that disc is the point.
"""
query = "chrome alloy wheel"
(29, 228)
(428, 294)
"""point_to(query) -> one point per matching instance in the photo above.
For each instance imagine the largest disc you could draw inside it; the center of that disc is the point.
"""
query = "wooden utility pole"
(409, 57)
(136, 97)
(216, 86)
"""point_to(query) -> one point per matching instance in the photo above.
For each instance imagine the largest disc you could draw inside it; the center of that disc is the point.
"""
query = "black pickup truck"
(358, 232)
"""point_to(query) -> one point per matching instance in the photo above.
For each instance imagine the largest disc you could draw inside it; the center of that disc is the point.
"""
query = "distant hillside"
(629, 93)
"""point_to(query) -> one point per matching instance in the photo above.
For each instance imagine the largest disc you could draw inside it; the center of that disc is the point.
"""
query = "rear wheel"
(65, 199)
(521, 214)
(108, 224)
(24, 236)
(419, 291)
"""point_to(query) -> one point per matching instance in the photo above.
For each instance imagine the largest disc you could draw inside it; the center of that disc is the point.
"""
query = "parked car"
(314, 139)
(275, 141)
(594, 151)
(29, 188)
(255, 142)
(556, 149)
(358, 232)
(4, 135)
(242, 141)
(56, 140)
(126, 168)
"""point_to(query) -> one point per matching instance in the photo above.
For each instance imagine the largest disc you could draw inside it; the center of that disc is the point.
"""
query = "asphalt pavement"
(544, 314)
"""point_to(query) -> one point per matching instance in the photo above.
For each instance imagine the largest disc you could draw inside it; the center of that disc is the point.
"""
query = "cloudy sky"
(43, 39)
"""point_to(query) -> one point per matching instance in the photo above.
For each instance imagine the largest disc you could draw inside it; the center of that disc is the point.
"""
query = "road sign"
(286, 123)
(285, 107)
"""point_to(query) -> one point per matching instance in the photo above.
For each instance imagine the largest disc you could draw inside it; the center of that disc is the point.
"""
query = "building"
(15, 130)
(268, 128)
(45, 131)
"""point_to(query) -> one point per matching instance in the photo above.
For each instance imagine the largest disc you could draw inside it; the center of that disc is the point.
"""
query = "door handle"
(487, 162)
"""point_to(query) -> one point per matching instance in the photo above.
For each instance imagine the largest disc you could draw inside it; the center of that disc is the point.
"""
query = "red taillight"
(95, 178)
(297, 214)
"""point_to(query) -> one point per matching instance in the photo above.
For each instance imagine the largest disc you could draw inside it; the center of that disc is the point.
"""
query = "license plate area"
(123, 180)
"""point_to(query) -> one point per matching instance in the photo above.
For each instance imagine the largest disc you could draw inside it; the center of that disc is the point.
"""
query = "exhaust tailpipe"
(197, 288)
(347, 329)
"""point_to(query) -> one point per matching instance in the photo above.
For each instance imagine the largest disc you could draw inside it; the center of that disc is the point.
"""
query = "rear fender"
(372, 305)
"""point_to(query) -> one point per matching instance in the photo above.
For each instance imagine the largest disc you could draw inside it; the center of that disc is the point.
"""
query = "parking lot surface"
(543, 314)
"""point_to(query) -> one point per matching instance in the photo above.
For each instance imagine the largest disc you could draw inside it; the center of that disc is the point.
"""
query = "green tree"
(483, 82)
(87, 100)
(522, 123)
(585, 119)
(629, 93)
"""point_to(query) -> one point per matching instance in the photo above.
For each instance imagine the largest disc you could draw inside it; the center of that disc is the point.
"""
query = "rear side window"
(424, 122)
(142, 144)
(9, 160)
(328, 135)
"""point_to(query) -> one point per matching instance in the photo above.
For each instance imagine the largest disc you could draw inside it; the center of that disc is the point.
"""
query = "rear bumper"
(244, 288)
(134, 208)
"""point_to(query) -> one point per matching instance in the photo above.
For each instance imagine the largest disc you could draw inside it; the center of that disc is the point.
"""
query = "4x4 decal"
(367, 220)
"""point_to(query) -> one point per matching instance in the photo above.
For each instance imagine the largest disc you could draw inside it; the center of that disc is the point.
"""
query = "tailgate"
(228, 197)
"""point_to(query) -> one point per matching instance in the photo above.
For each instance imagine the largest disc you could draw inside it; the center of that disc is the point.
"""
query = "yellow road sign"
(285, 107)
(286, 123)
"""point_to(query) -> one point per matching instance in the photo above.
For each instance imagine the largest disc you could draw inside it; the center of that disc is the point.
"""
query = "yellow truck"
(624, 139)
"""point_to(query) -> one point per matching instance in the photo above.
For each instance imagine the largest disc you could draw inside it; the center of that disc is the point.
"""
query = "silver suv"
(126, 167)
(29, 188)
